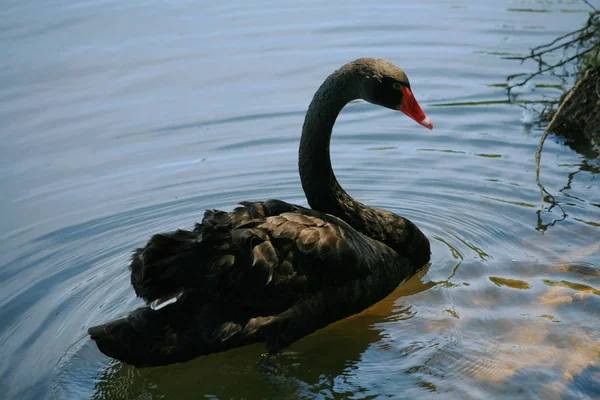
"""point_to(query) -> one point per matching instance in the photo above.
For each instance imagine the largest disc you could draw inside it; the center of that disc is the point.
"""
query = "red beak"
(411, 108)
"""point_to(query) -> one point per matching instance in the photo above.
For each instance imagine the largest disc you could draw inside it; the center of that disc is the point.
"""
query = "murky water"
(120, 119)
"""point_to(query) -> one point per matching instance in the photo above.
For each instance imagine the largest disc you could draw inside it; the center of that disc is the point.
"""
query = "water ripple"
(109, 138)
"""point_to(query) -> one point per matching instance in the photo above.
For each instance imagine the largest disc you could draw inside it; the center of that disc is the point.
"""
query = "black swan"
(271, 271)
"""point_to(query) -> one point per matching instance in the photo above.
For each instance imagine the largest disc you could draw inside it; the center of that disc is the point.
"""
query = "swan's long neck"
(320, 185)
(322, 189)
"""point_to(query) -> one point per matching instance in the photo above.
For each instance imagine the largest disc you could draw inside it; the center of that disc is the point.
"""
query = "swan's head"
(386, 85)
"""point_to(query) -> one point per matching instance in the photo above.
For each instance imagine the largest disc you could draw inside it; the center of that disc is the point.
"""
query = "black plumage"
(272, 271)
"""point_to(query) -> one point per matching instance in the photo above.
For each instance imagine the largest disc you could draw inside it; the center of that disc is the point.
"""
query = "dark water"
(120, 119)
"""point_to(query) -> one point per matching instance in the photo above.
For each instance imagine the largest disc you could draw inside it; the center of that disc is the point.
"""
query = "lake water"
(121, 119)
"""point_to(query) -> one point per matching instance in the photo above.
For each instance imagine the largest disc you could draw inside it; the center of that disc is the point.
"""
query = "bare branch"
(539, 72)
(581, 36)
(541, 53)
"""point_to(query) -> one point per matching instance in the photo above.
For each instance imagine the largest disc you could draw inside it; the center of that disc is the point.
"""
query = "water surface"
(121, 119)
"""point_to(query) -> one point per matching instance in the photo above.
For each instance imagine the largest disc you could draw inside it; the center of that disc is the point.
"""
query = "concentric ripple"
(123, 119)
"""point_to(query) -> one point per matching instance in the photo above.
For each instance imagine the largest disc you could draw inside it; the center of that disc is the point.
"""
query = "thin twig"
(593, 8)
(541, 53)
(561, 37)
(582, 35)
(539, 72)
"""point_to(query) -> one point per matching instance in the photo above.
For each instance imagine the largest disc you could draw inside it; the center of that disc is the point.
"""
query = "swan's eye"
(397, 86)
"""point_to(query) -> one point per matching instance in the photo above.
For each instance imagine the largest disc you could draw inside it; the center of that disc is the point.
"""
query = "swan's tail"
(121, 340)
(191, 286)
(173, 261)
(176, 333)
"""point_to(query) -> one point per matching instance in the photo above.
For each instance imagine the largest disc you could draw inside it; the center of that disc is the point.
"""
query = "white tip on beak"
(427, 123)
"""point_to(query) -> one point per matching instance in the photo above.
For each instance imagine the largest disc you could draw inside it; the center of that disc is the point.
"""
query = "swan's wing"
(322, 249)
(269, 271)
(272, 249)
